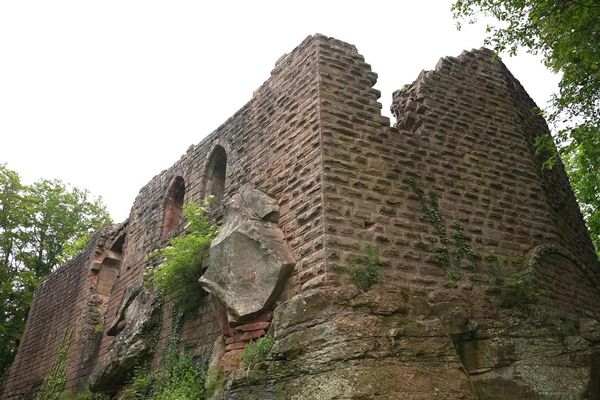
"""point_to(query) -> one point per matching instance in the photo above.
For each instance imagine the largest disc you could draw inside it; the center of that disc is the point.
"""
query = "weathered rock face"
(340, 343)
(136, 329)
(393, 343)
(250, 259)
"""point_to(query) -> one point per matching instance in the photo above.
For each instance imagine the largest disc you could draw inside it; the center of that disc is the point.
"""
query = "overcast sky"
(106, 94)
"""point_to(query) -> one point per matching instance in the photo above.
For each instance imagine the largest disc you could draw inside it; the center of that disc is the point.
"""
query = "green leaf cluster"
(41, 226)
(517, 291)
(215, 382)
(566, 33)
(366, 271)
(179, 378)
(176, 277)
(256, 351)
(583, 167)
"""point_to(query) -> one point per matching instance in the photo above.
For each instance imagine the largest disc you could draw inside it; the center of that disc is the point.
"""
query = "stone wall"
(67, 303)
(509, 324)
(272, 143)
(490, 286)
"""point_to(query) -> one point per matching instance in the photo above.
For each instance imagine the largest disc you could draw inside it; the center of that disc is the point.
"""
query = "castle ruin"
(489, 288)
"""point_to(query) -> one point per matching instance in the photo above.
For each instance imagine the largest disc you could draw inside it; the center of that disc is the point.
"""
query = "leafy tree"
(41, 226)
(566, 33)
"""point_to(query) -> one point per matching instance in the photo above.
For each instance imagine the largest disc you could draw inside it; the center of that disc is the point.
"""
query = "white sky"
(106, 94)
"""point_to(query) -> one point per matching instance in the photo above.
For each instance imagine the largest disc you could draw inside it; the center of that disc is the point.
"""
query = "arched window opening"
(173, 205)
(215, 174)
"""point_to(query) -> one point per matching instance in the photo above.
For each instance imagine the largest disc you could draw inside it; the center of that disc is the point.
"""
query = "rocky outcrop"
(136, 333)
(392, 343)
(341, 343)
(250, 259)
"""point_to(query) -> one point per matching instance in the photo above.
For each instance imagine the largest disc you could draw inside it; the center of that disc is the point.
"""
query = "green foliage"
(583, 167)
(177, 276)
(256, 351)
(141, 387)
(178, 379)
(566, 33)
(366, 271)
(215, 382)
(517, 291)
(450, 247)
(39, 226)
(83, 395)
(54, 384)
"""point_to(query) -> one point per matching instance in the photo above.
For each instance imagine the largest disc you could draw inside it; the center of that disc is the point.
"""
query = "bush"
(366, 271)
(215, 382)
(256, 351)
(180, 379)
(140, 387)
(177, 276)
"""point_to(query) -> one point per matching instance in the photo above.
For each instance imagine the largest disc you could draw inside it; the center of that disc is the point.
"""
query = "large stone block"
(250, 259)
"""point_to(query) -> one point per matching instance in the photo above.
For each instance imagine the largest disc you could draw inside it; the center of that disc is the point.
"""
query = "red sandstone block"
(247, 336)
(236, 337)
(255, 326)
(235, 346)
(232, 360)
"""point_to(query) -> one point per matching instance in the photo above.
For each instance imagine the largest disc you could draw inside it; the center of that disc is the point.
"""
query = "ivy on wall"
(450, 246)
(53, 385)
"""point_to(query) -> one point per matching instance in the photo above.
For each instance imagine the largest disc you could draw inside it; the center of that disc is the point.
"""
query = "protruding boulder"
(138, 317)
(250, 259)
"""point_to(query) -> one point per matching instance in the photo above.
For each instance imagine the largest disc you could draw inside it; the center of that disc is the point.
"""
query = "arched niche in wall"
(215, 174)
(104, 274)
(109, 268)
(173, 205)
(563, 282)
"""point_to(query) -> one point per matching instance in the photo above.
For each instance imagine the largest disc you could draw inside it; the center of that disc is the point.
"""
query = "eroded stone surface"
(250, 259)
(136, 329)
(337, 343)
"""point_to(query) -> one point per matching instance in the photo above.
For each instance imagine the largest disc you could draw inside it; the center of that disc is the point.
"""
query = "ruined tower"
(489, 285)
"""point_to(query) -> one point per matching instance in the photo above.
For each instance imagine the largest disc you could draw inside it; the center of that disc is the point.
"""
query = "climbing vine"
(450, 246)
(53, 385)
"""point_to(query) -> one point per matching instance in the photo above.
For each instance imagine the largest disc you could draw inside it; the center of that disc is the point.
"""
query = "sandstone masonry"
(490, 284)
